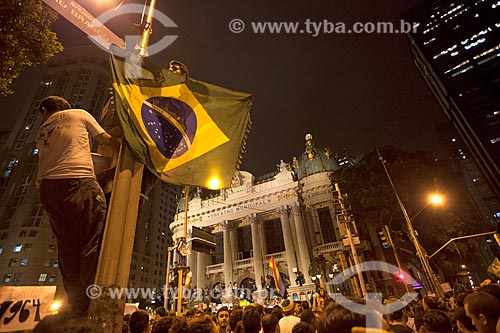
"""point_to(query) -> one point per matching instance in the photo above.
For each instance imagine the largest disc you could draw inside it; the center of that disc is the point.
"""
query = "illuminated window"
(43, 277)
(7, 277)
(18, 248)
(12, 262)
(23, 262)
(52, 278)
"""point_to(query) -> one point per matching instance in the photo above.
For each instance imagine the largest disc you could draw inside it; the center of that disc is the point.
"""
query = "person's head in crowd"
(462, 320)
(492, 288)
(191, 314)
(336, 318)
(251, 320)
(234, 317)
(160, 311)
(169, 324)
(304, 305)
(308, 316)
(484, 311)
(260, 308)
(460, 298)
(435, 321)
(202, 325)
(139, 322)
(429, 303)
(302, 327)
(418, 307)
(223, 318)
(270, 324)
(297, 310)
(418, 320)
(277, 312)
(288, 307)
(322, 292)
(62, 323)
(452, 303)
(398, 316)
(172, 314)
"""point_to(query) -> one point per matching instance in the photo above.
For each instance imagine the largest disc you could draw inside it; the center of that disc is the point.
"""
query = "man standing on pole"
(70, 194)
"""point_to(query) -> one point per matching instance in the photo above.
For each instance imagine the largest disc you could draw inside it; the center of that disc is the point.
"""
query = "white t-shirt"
(287, 323)
(64, 147)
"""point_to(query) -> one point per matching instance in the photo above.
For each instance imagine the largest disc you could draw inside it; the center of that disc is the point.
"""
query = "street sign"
(355, 240)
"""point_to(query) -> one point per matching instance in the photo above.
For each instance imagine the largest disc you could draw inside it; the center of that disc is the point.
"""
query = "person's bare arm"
(106, 139)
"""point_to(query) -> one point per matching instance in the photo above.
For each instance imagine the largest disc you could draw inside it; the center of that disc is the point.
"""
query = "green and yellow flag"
(185, 131)
(494, 267)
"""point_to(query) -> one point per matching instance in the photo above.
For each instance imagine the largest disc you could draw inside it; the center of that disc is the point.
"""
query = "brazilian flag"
(185, 131)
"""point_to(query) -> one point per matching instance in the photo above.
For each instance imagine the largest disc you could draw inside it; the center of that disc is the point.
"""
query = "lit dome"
(314, 160)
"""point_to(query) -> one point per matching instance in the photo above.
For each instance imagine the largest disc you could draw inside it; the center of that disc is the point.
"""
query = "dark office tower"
(459, 155)
(457, 50)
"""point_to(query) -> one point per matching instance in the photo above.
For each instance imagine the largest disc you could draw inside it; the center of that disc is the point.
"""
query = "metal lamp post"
(421, 253)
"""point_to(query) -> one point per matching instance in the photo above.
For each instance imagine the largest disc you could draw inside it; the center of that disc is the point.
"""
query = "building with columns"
(292, 215)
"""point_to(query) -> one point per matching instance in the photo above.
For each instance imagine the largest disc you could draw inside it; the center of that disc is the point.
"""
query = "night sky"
(355, 91)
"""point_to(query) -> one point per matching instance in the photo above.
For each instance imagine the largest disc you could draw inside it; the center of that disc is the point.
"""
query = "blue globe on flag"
(171, 124)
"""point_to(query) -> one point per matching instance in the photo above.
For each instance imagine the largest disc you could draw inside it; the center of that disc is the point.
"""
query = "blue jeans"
(77, 211)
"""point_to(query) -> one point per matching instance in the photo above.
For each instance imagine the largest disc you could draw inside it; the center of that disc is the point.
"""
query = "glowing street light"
(436, 199)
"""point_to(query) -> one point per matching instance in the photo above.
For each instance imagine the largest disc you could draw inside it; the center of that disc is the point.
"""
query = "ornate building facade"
(292, 215)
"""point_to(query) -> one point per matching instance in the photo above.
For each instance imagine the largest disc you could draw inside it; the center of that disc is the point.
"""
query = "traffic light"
(401, 277)
(384, 239)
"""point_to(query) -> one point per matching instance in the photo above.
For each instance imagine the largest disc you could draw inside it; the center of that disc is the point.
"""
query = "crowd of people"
(477, 311)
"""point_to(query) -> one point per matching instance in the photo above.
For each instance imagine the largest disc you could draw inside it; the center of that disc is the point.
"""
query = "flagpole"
(113, 268)
(183, 240)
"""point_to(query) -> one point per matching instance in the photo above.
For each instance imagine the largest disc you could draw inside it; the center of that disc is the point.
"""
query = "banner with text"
(23, 307)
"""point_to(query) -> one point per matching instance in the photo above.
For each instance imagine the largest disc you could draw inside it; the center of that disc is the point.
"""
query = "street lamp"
(421, 253)
(434, 199)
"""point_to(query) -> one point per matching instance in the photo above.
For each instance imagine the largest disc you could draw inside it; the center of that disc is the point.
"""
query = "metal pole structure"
(395, 253)
(147, 30)
(183, 241)
(347, 222)
(167, 280)
(430, 276)
(463, 237)
(115, 258)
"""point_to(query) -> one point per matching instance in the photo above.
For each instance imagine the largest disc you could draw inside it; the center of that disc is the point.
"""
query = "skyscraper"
(456, 48)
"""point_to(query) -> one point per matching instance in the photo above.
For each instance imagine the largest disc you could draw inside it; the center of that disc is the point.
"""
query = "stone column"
(257, 250)
(228, 262)
(191, 262)
(289, 248)
(233, 234)
(305, 260)
(262, 239)
(200, 272)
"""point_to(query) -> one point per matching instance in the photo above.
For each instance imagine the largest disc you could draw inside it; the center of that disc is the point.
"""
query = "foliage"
(26, 38)
(415, 175)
